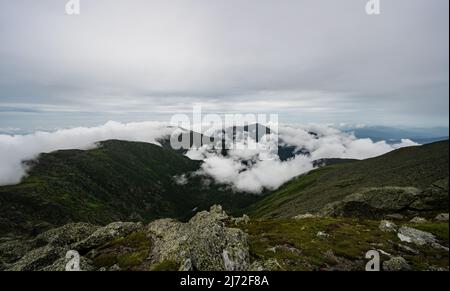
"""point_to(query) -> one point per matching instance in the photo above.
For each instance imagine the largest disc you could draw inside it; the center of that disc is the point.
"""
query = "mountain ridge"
(118, 180)
(417, 166)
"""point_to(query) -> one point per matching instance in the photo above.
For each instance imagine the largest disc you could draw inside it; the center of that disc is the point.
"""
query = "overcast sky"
(308, 60)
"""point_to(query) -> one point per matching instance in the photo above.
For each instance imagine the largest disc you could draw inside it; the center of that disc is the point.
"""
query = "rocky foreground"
(212, 240)
(203, 243)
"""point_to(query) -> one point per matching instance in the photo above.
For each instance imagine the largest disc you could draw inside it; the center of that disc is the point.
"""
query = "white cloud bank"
(329, 142)
(18, 148)
(252, 171)
(243, 170)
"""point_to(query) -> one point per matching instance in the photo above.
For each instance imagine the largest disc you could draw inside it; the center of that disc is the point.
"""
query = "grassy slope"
(117, 181)
(413, 166)
(295, 246)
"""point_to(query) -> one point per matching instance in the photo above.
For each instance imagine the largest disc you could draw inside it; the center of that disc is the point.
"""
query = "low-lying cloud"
(329, 142)
(248, 170)
(18, 148)
(256, 170)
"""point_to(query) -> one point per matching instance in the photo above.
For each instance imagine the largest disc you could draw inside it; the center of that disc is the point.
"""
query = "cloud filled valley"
(244, 168)
(258, 169)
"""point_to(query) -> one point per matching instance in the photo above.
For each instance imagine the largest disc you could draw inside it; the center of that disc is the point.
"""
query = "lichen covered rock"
(304, 216)
(442, 217)
(105, 234)
(374, 202)
(38, 259)
(67, 234)
(418, 237)
(205, 242)
(396, 264)
(387, 226)
(418, 220)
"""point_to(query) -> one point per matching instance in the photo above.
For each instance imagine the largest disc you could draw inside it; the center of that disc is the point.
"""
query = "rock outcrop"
(67, 235)
(304, 216)
(396, 264)
(213, 241)
(382, 201)
(105, 234)
(418, 220)
(418, 237)
(204, 243)
(442, 217)
(48, 250)
(387, 226)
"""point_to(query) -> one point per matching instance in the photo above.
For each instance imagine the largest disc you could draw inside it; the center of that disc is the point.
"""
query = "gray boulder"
(204, 243)
(304, 216)
(415, 236)
(418, 220)
(373, 202)
(380, 202)
(322, 234)
(433, 197)
(442, 217)
(396, 264)
(238, 220)
(387, 226)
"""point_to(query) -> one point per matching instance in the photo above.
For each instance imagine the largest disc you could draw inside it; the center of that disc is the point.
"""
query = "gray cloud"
(309, 60)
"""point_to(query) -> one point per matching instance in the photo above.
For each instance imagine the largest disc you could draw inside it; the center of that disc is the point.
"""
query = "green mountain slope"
(421, 167)
(117, 181)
